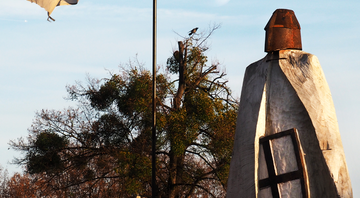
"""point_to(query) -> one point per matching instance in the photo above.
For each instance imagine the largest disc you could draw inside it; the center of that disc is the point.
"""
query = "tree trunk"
(182, 73)
(177, 161)
(175, 176)
(172, 175)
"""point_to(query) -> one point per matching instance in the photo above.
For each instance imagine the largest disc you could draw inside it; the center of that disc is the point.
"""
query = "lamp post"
(153, 136)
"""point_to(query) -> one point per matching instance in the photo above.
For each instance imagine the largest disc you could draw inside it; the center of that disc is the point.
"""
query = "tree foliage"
(105, 143)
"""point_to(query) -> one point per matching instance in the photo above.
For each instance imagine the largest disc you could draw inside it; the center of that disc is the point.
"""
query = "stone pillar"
(287, 141)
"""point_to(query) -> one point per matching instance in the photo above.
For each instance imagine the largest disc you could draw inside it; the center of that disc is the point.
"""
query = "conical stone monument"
(287, 141)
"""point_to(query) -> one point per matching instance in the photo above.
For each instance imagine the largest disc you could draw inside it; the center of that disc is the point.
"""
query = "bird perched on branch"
(193, 31)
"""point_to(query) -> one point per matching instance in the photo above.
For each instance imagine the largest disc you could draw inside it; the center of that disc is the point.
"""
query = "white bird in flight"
(49, 5)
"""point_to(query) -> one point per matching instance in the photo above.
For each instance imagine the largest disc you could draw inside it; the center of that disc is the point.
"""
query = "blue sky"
(38, 59)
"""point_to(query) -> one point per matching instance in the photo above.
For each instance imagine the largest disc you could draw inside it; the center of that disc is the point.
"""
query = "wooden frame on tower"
(274, 177)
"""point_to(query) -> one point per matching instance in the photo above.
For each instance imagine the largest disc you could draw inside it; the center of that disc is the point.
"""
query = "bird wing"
(48, 5)
(68, 2)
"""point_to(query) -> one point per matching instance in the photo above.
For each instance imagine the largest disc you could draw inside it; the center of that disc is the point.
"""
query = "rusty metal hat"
(282, 31)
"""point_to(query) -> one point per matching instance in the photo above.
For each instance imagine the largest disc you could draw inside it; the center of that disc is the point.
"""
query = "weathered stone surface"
(242, 180)
(280, 92)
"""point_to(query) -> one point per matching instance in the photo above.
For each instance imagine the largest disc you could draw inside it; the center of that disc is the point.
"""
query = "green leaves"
(43, 155)
(136, 97)
(104, 97)
(172, 63)
(110, 130)
(107, 139)
(49, 142)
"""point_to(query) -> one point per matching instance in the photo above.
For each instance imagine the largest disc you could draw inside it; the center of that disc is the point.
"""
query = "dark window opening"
(281, 155)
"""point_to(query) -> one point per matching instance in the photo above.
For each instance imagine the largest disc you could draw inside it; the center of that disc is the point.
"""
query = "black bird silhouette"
(193, 31)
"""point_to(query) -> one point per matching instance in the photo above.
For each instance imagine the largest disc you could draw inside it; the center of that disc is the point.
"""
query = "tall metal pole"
(153, 154)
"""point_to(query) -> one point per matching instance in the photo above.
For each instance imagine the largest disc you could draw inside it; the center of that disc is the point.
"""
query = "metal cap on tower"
(282, 31)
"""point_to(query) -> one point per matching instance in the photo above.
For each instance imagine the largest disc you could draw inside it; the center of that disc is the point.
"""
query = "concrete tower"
(287, 141)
